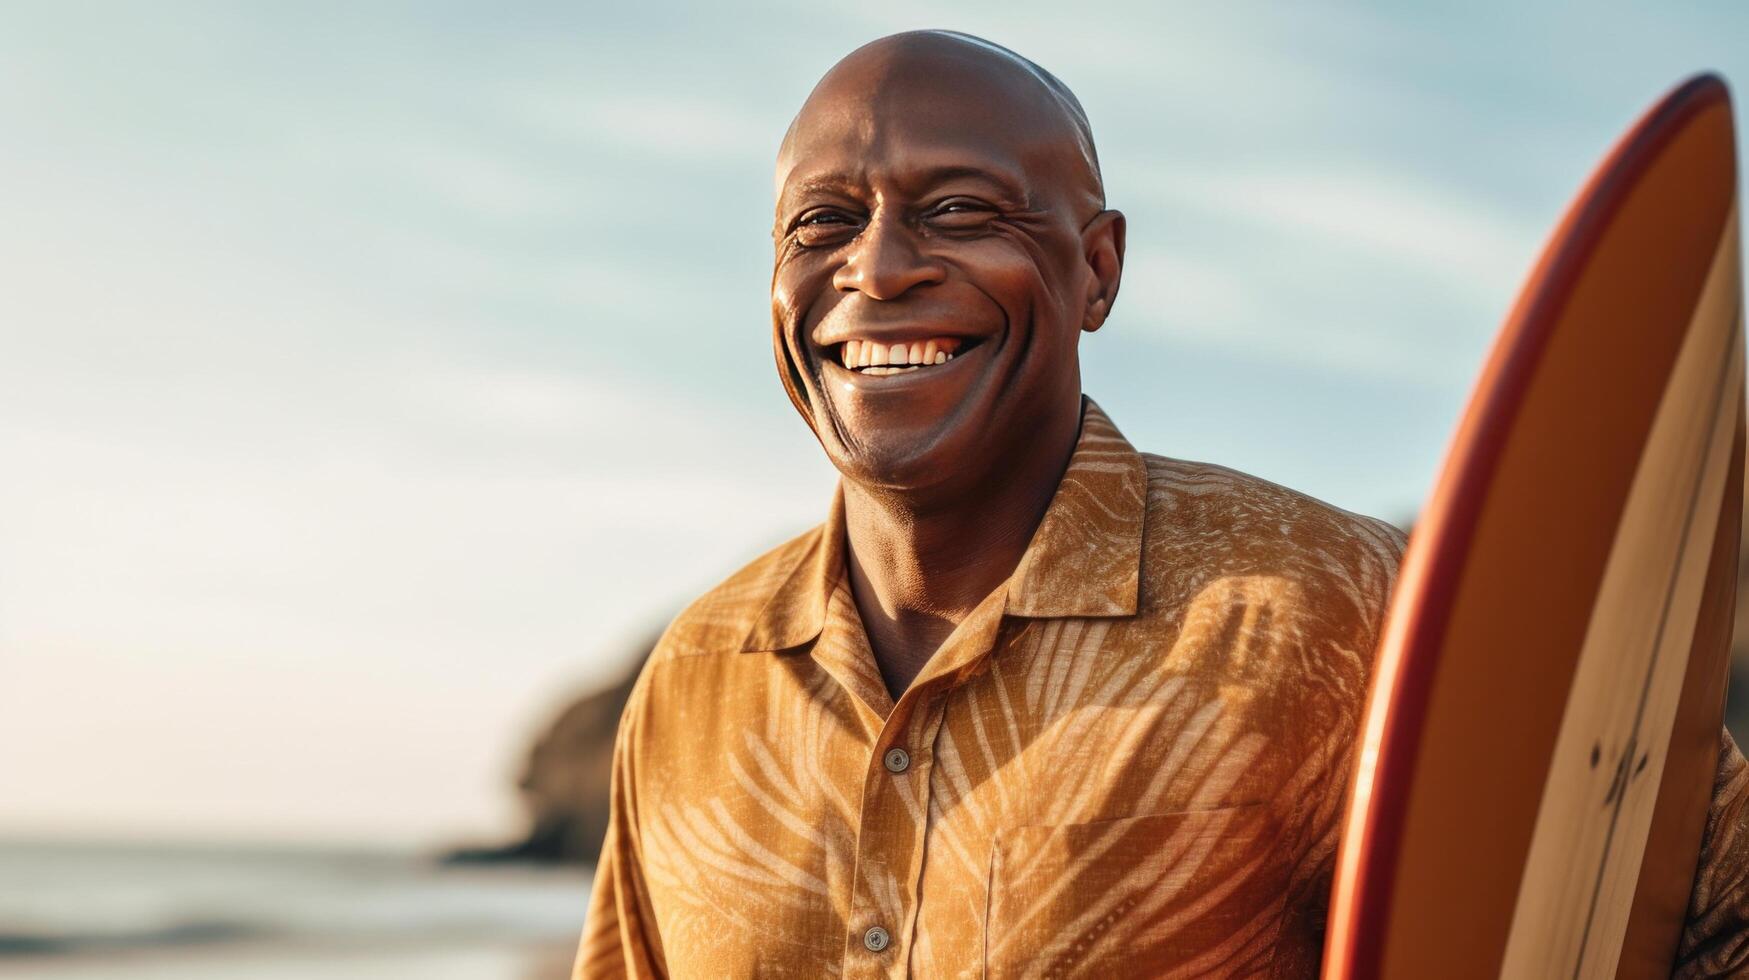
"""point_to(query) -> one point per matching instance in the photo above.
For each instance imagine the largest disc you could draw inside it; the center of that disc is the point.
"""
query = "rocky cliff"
(564, 778)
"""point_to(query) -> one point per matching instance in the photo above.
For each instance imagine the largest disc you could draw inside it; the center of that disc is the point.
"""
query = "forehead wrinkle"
(931, 76)
(886, 153)
(858, 169)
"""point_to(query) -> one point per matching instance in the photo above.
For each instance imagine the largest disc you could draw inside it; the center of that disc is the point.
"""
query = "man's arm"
(620, 938)
(1715, 940)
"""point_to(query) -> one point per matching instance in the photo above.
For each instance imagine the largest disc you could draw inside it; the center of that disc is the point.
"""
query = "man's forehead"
(927, 102)
(906, 148)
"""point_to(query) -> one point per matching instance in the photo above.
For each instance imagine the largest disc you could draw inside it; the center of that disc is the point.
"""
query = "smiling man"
(1028, 702)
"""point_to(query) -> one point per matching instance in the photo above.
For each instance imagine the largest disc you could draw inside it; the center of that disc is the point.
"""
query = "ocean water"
(193, 913)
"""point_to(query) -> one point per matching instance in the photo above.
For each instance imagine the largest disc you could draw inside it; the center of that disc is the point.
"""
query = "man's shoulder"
(1249, 521)
(719, 620)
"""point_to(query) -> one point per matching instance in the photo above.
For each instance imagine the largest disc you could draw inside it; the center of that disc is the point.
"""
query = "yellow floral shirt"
(1129, 760)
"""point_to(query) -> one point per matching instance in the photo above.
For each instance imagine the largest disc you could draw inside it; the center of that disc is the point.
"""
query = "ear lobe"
(1095, 315)
(1103, 240)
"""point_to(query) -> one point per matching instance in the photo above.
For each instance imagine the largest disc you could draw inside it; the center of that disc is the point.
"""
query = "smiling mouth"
(871, 358)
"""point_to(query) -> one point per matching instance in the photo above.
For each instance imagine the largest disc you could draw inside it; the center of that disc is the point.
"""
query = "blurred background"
(377, 378)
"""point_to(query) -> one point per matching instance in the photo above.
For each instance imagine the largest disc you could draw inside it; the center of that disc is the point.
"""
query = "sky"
(374, 377)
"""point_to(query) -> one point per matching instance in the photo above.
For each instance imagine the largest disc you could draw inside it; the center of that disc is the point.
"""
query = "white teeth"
(870, 357)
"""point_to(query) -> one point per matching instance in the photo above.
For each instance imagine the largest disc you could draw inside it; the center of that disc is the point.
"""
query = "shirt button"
(876, 939)
(897, 760)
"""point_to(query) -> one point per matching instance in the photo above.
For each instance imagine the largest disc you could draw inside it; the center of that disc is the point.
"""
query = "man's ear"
(1102, 242)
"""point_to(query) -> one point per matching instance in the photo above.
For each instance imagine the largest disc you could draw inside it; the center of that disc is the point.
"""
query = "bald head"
(948, 80)
(941, 243)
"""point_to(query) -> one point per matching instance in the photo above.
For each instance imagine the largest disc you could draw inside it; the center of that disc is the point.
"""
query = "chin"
(888, 462)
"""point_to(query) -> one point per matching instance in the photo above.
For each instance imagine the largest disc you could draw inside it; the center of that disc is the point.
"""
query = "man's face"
(931, 276)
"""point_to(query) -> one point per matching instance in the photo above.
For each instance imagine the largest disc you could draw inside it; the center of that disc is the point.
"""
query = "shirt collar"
(1084, 559)
(797, 610)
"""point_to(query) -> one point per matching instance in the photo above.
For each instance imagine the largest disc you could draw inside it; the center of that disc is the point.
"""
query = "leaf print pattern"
(1130, 760)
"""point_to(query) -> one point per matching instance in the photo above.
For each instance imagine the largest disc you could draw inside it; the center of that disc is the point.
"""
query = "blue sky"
(375, 373)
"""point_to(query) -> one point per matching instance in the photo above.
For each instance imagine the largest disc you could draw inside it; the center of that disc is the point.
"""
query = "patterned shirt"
(1129, 760)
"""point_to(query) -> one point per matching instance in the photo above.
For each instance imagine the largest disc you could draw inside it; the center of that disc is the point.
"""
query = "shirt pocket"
(1186, 894)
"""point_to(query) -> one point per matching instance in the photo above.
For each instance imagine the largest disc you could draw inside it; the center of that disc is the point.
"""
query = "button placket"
(928, 715)
(889, 848)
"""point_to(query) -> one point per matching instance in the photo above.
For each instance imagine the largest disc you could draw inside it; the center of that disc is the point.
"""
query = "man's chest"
(1075, 805)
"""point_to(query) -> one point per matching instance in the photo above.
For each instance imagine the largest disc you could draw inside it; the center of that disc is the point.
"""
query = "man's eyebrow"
(1008, 185)
(819, 184)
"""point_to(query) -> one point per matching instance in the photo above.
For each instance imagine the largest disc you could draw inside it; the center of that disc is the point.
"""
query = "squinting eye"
(961, 214)
(823, 226)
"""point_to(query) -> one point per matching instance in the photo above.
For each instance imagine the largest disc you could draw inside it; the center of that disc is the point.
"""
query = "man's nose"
(886, 261)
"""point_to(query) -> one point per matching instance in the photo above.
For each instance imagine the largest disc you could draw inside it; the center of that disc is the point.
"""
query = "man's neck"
(917, 567)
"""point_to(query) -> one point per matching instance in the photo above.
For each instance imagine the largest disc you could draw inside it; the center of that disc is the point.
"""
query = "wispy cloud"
(1394, 218)
(690, 127)
(1350, 271)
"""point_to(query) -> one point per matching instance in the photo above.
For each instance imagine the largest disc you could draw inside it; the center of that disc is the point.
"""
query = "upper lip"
(890, 335)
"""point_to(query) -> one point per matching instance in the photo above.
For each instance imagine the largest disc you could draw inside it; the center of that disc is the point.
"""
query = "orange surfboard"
(1542, 731)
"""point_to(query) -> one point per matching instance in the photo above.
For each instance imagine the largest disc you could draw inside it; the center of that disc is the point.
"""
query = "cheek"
(799, 295)
(784, 291)
(1015, 269)
(1018, 275)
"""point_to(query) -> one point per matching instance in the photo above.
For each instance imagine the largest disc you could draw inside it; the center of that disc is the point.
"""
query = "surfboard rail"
(1368, 862)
